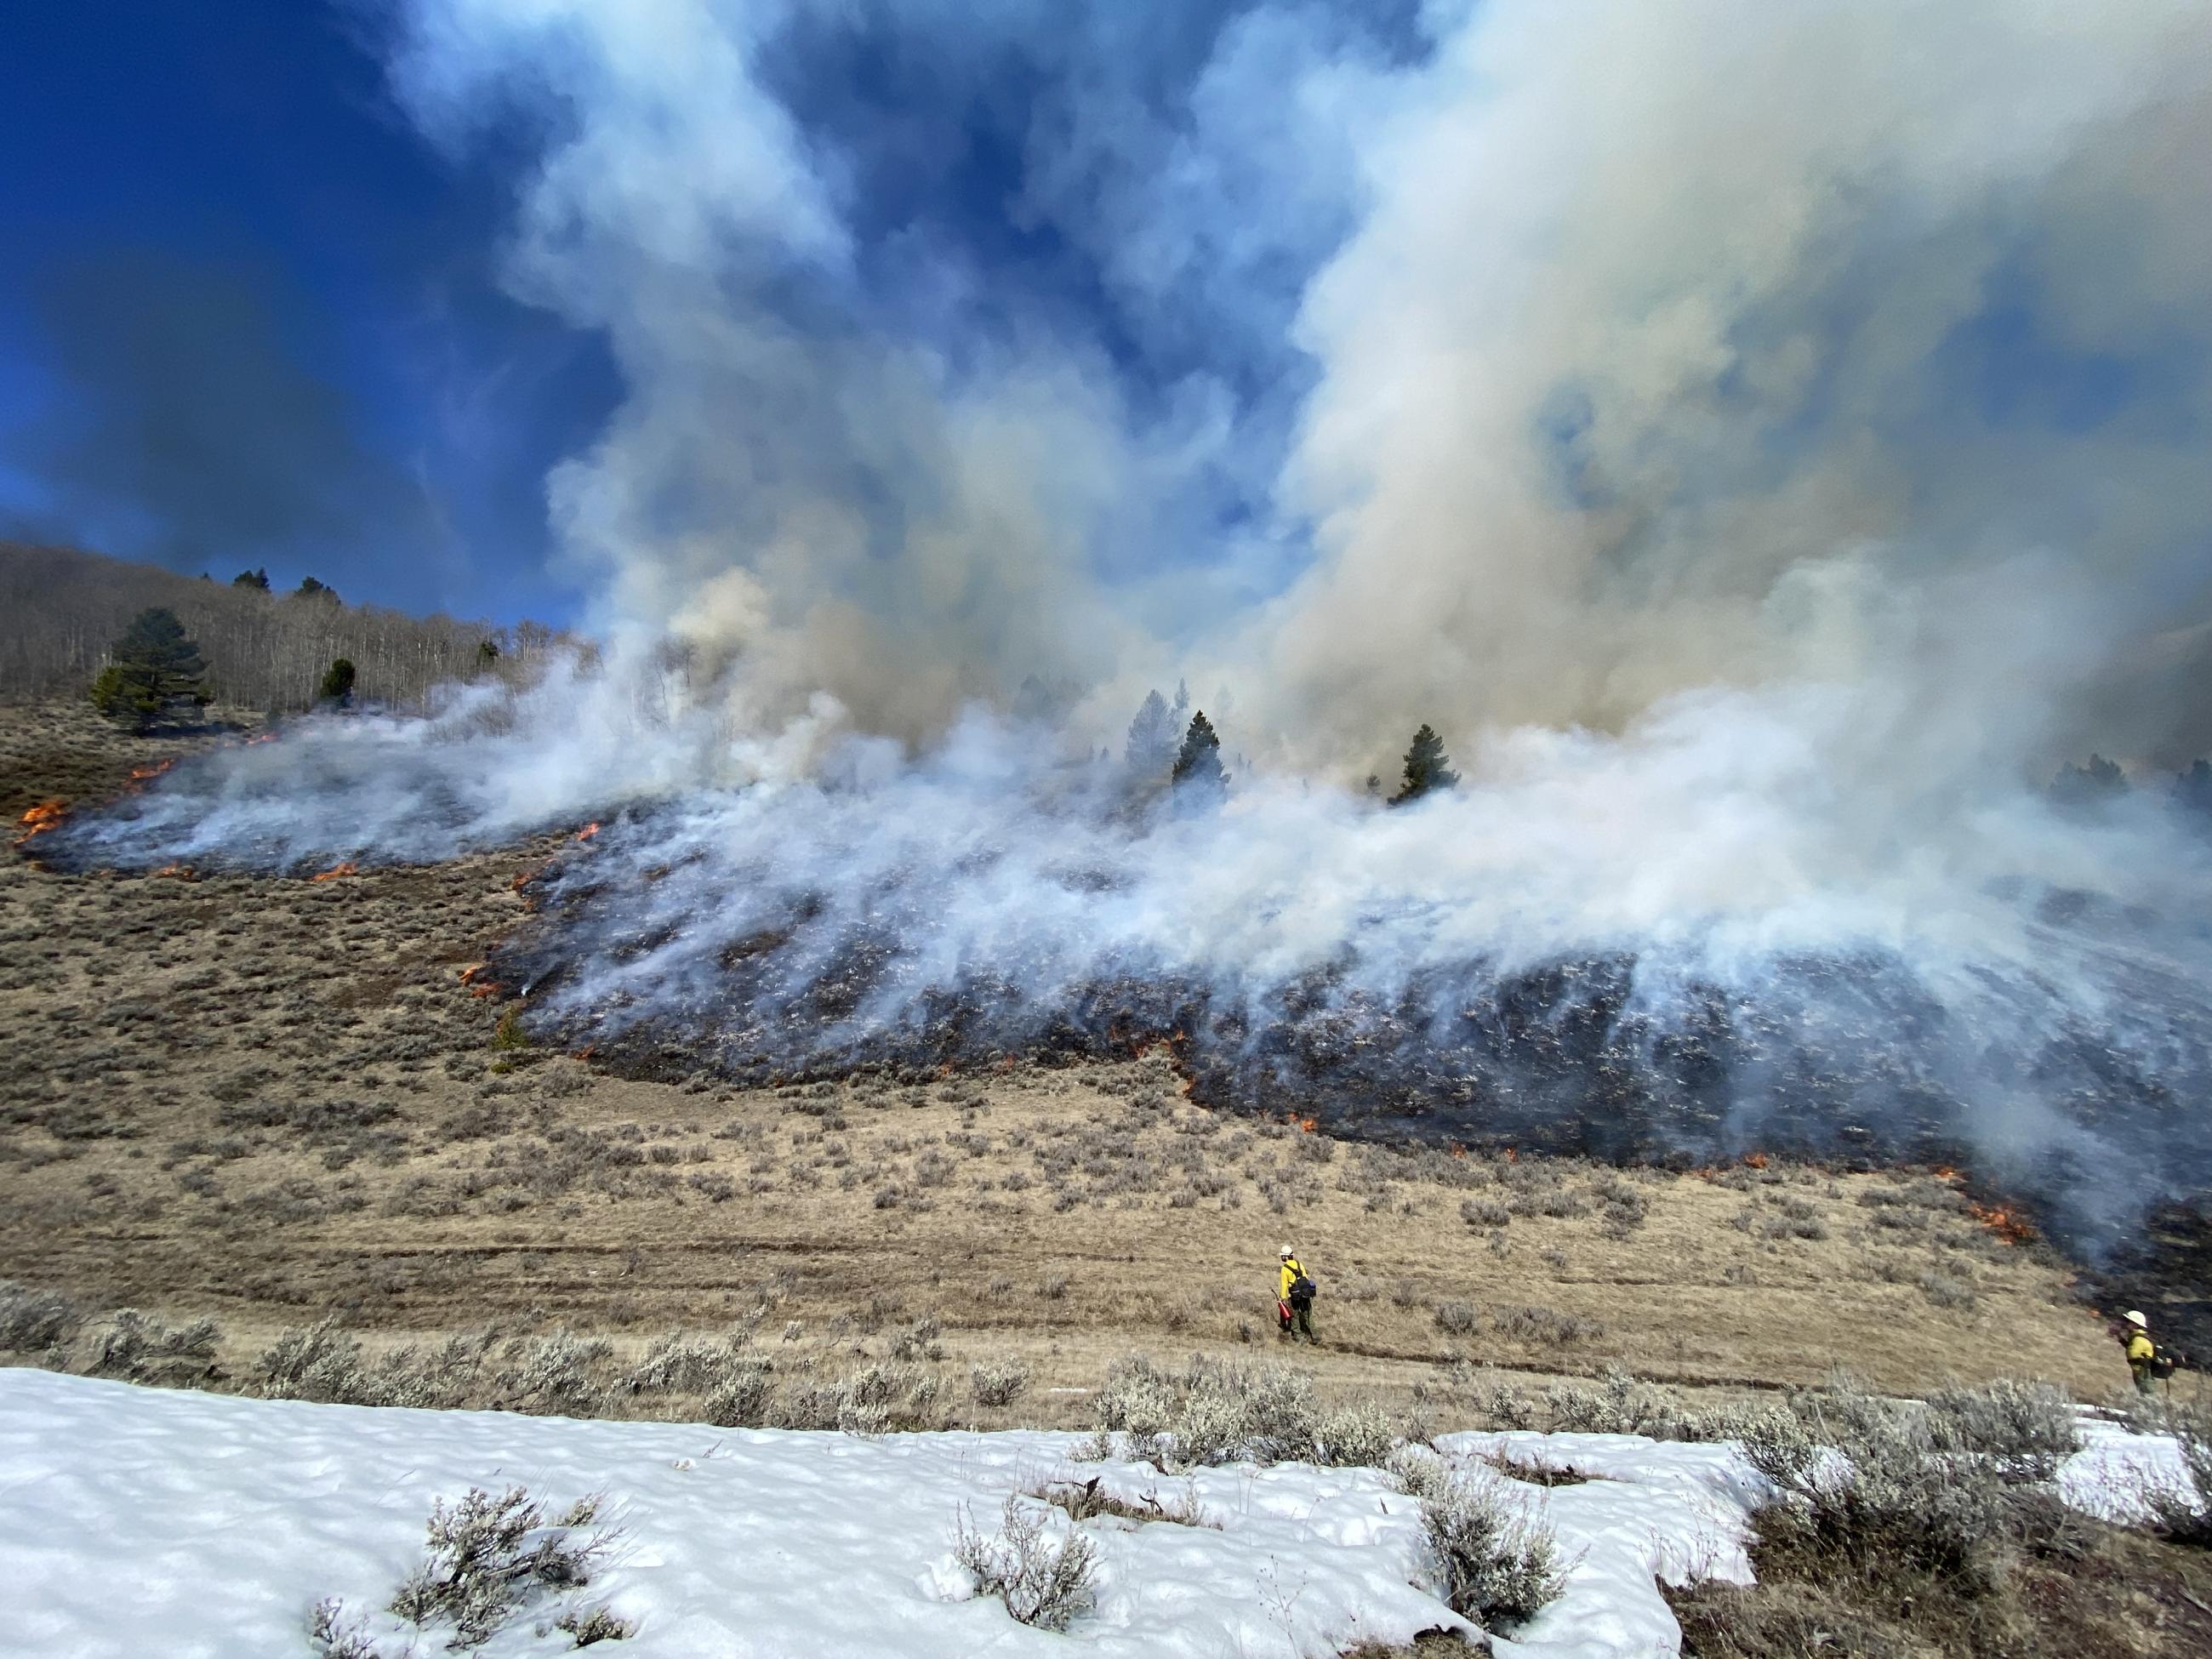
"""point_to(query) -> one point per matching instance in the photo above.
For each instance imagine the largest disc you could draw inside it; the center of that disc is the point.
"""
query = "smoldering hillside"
(1623, 949)
(1767, 442)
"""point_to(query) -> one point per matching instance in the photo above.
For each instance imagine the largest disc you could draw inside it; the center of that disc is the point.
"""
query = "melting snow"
(139, 1521)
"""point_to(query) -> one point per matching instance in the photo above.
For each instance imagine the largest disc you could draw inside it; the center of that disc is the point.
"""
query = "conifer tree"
(1152, 746)
(2091, 784)
(151, 668)
(338, 683)
(311, 589)
(1198, 776)
(2192, 790)
(1427, 767)
(257, 580)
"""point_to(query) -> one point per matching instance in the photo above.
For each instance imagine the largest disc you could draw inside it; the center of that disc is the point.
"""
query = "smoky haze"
(1765, 439)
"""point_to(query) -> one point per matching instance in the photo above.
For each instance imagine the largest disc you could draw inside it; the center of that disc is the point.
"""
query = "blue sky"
(260, 319)
(1376, 358)
(228, 193)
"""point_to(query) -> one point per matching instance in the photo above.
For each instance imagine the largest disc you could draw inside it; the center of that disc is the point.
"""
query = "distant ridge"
(60, 609)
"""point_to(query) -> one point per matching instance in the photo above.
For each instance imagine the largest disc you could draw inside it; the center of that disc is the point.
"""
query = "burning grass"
(266, 1099)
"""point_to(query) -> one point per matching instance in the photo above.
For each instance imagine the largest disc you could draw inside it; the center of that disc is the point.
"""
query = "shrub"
(549, 1374)
(877, 1399)
(742, 1400)
(1484, 1213)
(32, 1321)
(140, 1348)
(2025, 1429)
(1359, 1435)
(486, 1556)
(1044, 1583)
(1082, 1500)
(1418, 1471)
(2181, 1510)
(1498, 1568)
(1221, 1410)
(590, 1625)
(337, 1635)
(997, 1385)
(320, 1363)
(1864, 1484)
(676, 1363)
(1457, 1318)
(1546, 1326)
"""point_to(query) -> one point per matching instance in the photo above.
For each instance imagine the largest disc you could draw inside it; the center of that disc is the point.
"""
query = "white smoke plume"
(1765, 439)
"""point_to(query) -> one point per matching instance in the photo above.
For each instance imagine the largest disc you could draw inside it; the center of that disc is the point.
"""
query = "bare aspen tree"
(60, 611)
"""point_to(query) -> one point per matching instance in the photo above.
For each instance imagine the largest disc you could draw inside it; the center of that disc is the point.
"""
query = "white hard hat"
(2135, 1318)
(1286, 1252)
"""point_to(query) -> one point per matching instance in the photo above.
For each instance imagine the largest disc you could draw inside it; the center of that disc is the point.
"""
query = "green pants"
(2144, 1383)
(1302, 1321)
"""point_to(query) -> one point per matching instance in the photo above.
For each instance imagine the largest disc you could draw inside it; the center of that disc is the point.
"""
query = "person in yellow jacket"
(1294, 1294)
(2142, 1353)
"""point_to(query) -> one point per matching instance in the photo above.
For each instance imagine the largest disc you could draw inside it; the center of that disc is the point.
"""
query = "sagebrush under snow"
(142, 1521)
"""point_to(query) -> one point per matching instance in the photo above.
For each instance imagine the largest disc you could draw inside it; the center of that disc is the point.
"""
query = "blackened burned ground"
(2163, 1265)
(1841, 1060)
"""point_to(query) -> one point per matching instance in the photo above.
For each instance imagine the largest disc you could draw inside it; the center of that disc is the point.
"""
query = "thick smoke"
(1765, 439)
(1714, 340)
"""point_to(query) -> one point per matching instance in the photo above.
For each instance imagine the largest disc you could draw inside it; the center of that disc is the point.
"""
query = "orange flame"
(587, 831)
(2004, 1221)
(146, 773)
(349, 868)
(489, 988)
(1307, 1125)
(471, 971)
(37, 820)
(1754, 1160)
(178, 871)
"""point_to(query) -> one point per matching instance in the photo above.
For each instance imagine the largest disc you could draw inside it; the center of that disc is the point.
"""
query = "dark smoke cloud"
(190, 429)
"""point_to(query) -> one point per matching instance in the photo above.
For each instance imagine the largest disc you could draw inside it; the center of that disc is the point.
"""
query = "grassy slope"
(271, 1100)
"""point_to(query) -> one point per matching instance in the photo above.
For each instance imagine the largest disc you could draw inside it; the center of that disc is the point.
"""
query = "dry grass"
(272, 1101)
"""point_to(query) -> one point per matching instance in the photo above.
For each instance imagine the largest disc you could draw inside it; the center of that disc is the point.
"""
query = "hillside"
(265, 651)
(266, 1100)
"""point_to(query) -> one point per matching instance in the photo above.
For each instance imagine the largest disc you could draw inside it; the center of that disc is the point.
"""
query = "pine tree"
(311, 589)
(338, 683)
(1427, 767)
(2093, 784)
(1198, 776)
(1152, 746)
(2192, 790)
(151, 668)
(254, 578)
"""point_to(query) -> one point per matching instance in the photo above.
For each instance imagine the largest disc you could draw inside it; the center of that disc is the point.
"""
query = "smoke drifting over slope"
(1764, 439)
(1502, 363)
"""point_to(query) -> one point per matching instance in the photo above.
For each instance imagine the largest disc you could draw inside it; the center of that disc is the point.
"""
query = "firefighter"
(1294, 1298)
(2142, 1353)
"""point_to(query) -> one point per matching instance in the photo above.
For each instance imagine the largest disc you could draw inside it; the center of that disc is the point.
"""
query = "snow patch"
(138, 1521)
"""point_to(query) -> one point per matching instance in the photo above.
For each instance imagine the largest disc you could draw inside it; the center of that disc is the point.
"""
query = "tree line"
(69, 614)
(2096, 782)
